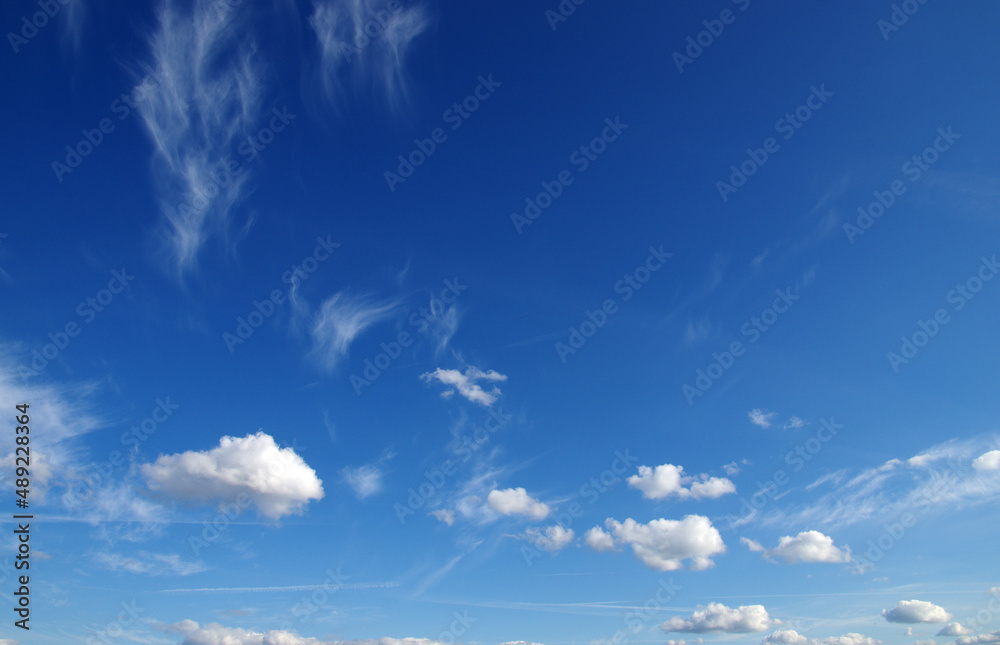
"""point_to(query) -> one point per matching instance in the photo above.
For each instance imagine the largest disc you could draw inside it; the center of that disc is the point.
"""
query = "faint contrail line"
(359, 585)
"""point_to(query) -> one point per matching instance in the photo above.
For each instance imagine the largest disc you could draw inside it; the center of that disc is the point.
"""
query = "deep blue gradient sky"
(654, 411)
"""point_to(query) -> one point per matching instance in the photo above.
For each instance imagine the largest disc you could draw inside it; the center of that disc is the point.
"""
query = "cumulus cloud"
(365, 43)
(152, 564)
(216, 634)
(954, 629)
(916, 611)
(794, 422)
(553, 538)
(662, 544)
(466, 383)
(732, 468)
(598, 540)
(364, 480)
(516, 501)
(276, 480)
(340, 320)
(807, 546)
(203, 97)
(716, 617)
(761, 418)
(987, 461)
(792, 637)
(981, 639)
(666, 480)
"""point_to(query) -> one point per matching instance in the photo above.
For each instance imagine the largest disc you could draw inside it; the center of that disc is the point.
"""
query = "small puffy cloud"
(448, 517)
(516, 501)
(276, 480)
(761, 418)
(853, 638)
(553, 539)
(982, 639)
(807, 546)
(916, 611)
(732, 468)
(466, 383)
(364, 480)
(987, 461)
(668, 479)
(216, 634)
(954, 629)
(717, 617)
(786, 637)
(663, 544)
(794, 422)
(152, 564)
(598, 540)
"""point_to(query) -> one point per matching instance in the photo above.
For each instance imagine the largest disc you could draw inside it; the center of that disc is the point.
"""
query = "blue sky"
(427, 322)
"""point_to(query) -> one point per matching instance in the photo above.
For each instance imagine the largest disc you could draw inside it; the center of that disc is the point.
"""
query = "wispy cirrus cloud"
(364, 44)
(466, 383)
(340, 320)
(152, 564)
(207, 97)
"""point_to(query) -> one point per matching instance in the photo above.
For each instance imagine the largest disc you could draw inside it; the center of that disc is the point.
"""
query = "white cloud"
(667, 479)
(205, 98)
(987, 461)
(275, 479)
(716, 617)
(598, 540)
(554, 538)
(954, 629)
(153, 564)
(916, 611)
(792, 637)
(940, 477)
(853, 638)
(663, 544)
(516, 501)
(216, 634)
(697, 641)
(448, 517)
(794, 422)
(786, 637)
(761, 418)
(807, 546)
(981, 639)
(341, 319)
(366, 43)
(364, 480)
(732, 469)
(466, 385)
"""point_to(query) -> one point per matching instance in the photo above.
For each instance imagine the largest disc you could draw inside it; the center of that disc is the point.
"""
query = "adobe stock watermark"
(893, 532)
(121, 107)
(591, 490)
(958, 298)
(455, 116)
(87, 310)
(753, 330)
(420, 321)
(97, 473)
(787, 126)
(913, 170)
(796, 459)
(38, 20)
(463, 451)
(580, 159)
(262, 310)
(697, 44)
(627, 286)
(116, 628)
(899, 16)
(637, 619)
(563, 10)
(228, 511)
